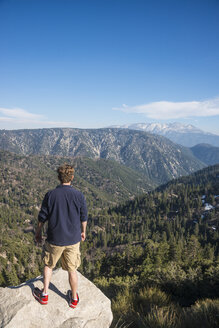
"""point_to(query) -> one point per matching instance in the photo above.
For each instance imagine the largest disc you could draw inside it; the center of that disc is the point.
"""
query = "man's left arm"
(83, 230)
(83, 217)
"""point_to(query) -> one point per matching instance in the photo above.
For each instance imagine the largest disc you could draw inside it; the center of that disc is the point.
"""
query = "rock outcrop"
(18, 308)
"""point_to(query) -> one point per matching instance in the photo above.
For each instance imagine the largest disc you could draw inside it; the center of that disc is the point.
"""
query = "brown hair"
(65, 173)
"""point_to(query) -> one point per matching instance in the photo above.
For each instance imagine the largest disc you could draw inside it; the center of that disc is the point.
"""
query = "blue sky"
(91, 64)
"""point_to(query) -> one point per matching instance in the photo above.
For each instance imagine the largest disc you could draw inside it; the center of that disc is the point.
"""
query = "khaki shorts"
(70, 256)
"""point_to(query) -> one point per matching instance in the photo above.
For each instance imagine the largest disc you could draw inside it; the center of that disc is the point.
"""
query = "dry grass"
(204, 314)
(152, 308)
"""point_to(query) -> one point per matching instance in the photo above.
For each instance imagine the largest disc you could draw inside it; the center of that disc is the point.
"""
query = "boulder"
(18, 307)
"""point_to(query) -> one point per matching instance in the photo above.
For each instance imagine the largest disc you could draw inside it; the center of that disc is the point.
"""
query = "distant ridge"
(183, 134)
(155, 156)
(206, 153)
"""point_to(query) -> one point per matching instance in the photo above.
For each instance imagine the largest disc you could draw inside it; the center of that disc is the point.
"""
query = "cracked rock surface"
(18, 308)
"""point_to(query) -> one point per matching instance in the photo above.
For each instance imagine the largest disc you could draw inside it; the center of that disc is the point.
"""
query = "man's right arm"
(38, 234)
(42, 218)
(44, 211)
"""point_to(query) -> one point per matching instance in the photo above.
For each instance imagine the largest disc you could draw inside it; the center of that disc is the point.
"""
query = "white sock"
(43, 294)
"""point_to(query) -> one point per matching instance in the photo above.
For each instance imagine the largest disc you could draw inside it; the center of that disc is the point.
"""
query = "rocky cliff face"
(155, 156)
(19, 309)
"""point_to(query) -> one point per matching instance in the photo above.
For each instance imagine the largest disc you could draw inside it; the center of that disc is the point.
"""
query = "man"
(65, 210)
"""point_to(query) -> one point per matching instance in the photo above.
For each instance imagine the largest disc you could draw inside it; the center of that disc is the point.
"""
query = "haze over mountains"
(155, 156)
(208, 154)
(186, 135)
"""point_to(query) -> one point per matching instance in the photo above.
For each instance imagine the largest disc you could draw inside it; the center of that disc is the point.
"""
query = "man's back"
(65, 209)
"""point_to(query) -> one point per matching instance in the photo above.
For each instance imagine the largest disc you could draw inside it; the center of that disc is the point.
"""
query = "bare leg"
(73, 281)
(47, 276)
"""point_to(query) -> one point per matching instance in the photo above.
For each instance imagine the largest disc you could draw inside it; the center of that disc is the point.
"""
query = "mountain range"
(206, 153)
(158, 158)
(186, 135)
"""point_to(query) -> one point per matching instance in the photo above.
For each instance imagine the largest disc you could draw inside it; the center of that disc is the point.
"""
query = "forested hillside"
(25, 179)
(156, 256)
(24, 182)
(160, 254)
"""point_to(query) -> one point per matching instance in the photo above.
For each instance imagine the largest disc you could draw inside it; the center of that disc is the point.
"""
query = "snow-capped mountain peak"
(185, 134)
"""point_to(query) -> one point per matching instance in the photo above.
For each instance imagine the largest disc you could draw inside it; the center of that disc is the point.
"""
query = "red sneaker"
(72, 303)
(37, 293)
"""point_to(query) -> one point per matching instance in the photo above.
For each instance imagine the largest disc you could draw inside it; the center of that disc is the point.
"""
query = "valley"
(152, 242)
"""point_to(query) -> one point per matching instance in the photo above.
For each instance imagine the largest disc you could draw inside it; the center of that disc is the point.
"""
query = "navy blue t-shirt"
(65, 208)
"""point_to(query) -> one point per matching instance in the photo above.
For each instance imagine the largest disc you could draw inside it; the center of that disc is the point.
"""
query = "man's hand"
(83, 236)
(38, 237)
(83, 229)
(38, 234)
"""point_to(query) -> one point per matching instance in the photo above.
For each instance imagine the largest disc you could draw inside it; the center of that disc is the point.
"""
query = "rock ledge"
(18, 308)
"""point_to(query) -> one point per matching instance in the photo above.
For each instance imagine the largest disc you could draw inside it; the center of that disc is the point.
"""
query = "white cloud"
(19, 113)
(174, 110)
(20, 118)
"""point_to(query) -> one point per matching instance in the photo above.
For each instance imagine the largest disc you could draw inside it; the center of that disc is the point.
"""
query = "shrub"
(165, 317)
(149, 297)
(203, 314)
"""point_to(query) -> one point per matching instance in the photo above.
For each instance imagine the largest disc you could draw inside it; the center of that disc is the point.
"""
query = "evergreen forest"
(153, 252)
